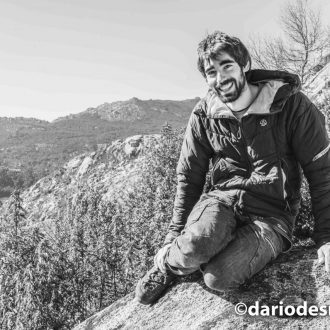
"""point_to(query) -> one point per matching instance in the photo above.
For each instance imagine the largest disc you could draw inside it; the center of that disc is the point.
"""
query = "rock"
(73, 163)
(292, 278)
(84, 166)
(318, 85)
(133, 145)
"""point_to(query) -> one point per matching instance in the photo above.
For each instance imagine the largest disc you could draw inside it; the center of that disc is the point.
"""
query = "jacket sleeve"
(191, 171)
(311, 146)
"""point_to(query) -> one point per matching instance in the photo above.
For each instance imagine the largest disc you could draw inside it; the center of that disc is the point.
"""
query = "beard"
(235, 90)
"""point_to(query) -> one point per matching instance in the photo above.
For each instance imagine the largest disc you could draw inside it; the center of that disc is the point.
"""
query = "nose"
(220, 79)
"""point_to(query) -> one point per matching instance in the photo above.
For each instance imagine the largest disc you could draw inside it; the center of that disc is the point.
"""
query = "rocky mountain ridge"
(136, 109)
(42, 147)
(112, 169)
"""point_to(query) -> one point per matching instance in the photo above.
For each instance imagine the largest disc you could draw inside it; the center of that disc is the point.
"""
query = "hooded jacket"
(257, 163)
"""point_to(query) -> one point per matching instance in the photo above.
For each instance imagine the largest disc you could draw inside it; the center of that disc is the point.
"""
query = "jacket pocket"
(219, 171)
(224, 169)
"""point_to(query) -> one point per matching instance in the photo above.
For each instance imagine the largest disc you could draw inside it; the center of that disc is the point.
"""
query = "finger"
(327, 260)
(159, 258)
(162, 257)
(162, 260)
(156, 259)
(162, 265)
(320, 256)
(166, 251)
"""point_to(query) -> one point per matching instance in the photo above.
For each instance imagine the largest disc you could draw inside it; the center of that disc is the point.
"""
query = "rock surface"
(319, 85)
(292, 278)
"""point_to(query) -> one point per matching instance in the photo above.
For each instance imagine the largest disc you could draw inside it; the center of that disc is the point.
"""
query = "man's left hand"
(323, 254)
(159, 258)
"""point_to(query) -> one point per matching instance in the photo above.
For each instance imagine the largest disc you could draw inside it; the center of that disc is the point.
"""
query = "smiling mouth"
(226, 87)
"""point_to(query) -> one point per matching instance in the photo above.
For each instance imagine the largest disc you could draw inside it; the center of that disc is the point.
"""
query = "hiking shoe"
(152, 285)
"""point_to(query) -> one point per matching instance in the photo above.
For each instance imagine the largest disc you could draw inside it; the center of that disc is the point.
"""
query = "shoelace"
(155, 278)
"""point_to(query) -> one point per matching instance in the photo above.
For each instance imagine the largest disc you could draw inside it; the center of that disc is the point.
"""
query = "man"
(258, 131)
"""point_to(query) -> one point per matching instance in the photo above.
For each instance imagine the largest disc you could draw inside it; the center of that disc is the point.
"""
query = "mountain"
(135, 110)
(41, 147)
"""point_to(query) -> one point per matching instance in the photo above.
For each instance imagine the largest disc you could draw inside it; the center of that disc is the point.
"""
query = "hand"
(323, 254)
(159, 258)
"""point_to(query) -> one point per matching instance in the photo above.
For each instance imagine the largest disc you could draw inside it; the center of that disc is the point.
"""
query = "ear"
(247, 67)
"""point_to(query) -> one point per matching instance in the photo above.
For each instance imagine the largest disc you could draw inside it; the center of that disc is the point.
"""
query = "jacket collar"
(276, 88)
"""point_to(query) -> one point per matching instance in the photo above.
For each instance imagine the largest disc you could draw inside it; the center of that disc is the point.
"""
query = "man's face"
(225, 77)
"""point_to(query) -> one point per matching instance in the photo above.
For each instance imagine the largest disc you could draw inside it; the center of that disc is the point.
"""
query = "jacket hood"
(275, 89)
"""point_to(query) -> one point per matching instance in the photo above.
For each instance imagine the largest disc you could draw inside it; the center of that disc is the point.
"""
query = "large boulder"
(293, 278)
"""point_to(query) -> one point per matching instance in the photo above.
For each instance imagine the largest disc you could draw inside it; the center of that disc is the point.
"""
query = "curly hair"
(218, 42)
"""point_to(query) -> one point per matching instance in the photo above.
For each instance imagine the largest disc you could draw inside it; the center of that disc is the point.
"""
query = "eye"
(227, 66)
(211, 73)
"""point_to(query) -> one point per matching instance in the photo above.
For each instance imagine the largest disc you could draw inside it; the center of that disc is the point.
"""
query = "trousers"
(227, 251)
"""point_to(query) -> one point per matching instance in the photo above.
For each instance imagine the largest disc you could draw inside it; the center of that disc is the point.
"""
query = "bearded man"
(258, 130)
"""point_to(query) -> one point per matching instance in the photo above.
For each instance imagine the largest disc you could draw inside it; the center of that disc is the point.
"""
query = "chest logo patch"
(263, 122)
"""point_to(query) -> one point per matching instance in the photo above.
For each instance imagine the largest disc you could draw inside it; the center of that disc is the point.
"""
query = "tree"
(300, 51)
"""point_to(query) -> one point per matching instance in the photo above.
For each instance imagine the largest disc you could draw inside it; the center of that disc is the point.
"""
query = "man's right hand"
(159, 258)
(324, 256)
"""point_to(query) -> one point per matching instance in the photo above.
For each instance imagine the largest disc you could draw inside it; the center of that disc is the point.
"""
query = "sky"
(62, 56)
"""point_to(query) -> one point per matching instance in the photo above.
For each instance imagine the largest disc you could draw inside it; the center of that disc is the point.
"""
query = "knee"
(220, 281)
(196, 247)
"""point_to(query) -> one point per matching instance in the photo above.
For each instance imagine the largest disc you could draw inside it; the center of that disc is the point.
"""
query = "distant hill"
(135, 109)
(10, 126)
(39, 147)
